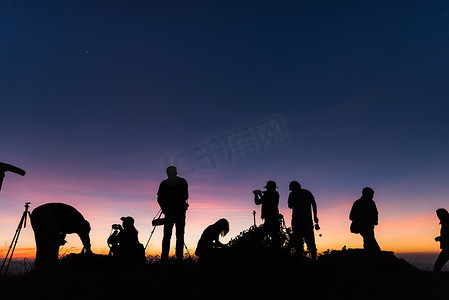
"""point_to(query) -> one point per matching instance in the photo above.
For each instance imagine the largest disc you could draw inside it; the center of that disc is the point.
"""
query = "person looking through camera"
(124, 242)
(269, 200)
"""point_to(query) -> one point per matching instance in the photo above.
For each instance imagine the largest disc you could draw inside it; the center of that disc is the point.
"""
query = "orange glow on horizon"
(410, 231)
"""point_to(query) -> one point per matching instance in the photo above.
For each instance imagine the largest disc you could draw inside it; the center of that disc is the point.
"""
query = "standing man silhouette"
(302, 202)
(172, 197)
(270, 211)
(364, 217)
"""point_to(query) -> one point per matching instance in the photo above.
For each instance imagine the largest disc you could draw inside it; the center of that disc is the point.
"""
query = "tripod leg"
(10, 253)
(158, 215)
(188, 253)
(154, 228)
(13, 244)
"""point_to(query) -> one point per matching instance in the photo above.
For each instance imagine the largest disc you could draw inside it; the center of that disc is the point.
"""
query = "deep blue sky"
(109, 89)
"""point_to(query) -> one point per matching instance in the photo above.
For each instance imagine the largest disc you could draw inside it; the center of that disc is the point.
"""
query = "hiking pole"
(22, 223)
(254, 217)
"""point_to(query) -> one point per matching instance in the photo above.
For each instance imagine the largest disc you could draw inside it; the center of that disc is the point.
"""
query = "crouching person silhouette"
(209, 246)
(51, 223)
(124, 243)
(443, 215)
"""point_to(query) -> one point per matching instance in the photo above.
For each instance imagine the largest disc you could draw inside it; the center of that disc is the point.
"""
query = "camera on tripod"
(159, 221)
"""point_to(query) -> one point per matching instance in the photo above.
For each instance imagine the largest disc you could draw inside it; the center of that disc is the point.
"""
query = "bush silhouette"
(254, 244)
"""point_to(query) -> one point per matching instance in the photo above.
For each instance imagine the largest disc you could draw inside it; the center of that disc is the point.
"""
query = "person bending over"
(209, 244)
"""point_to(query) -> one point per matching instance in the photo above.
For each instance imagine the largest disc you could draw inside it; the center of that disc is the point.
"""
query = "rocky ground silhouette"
(338, 275)
(248, 269)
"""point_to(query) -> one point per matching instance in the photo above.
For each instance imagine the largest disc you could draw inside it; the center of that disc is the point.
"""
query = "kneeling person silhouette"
(124, 243)
(209, 246)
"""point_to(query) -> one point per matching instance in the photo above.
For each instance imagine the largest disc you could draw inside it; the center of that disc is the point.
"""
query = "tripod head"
(25, 213)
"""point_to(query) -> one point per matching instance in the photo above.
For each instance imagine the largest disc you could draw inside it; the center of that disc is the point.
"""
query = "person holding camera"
(302, 203)
(443, 215)
(172, 197)
(270, 211)
(124, 242)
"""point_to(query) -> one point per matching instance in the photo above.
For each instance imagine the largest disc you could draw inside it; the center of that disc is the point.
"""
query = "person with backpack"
(364, 217)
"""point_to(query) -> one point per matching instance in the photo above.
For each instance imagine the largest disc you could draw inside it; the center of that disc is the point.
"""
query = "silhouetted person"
(172, 197)
(51, 222)
(8, 168)
(302, 202)
(209, 244)
(443, 215)
(270, 211)
(124, 242)
(364, 217)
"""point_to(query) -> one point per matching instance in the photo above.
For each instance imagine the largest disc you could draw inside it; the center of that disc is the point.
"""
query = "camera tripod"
(157, 221)
(12, 247)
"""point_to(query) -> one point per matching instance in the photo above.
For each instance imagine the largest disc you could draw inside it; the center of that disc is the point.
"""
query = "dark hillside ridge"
(360, 259)
(349, 274)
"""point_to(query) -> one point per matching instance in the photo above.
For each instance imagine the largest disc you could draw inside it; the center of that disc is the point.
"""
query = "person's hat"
(128, 219)
(271, 184)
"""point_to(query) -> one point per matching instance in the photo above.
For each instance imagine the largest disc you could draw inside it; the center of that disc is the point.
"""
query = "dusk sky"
(99, 97)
